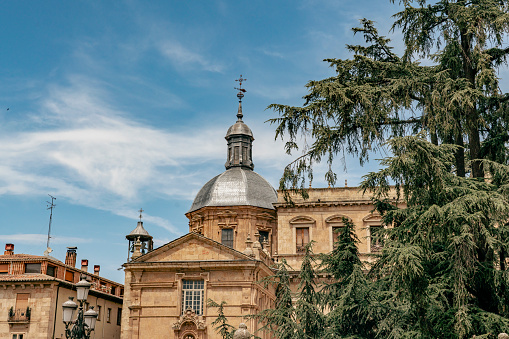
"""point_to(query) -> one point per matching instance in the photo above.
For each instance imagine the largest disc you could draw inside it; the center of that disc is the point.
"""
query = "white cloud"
(83, 149)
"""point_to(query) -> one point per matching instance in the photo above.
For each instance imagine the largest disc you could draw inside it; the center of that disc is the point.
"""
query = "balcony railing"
(19, 315)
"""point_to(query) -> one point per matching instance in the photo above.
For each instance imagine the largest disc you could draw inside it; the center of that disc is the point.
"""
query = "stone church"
(238, 227)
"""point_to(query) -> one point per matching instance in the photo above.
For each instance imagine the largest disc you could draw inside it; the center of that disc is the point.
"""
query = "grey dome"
(239, 128)
(236, 186)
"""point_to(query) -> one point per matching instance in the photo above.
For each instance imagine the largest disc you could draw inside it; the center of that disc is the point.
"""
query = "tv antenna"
(51, 205)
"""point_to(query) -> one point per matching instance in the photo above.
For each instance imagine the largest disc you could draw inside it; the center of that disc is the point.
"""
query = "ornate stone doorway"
(189, 326)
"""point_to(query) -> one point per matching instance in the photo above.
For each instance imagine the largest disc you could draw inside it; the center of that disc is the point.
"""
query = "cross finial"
(240, 95)
(141, 211)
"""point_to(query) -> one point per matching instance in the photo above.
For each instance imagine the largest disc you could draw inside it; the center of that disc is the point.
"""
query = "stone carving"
(188, 320)
(242, 332)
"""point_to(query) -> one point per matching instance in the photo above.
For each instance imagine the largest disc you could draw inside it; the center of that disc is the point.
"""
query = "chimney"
(9, 249)
(70, 256)
(84, 265)
(97, 268)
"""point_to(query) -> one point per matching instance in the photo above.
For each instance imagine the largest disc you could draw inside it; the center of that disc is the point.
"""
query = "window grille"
(227, 237)
(192, 295)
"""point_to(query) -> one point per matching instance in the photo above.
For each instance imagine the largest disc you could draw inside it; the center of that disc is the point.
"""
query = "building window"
(113, 290)
(119, 316)
(51, 271)
(18, 335)
(335, 235)
(33, 268)
(375, 238)
(98, 313)
(108, 315)
(121, 292)
(264, 235)
(192, 295)
(227, 237)
(302, 234)
(69, 276)
(4, 268)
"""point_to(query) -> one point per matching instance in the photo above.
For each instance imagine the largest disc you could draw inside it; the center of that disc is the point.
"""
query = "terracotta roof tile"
(25, 277)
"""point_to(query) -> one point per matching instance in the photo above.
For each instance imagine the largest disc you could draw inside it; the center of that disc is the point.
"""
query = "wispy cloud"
(184, 57)
(84, 149)
(39, 239)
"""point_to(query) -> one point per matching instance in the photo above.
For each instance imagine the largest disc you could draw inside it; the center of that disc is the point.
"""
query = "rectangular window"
(192, 296)
(119, 316)
(4, 268)
(302, 234)
(18, 336)
(121, 292)
(227, 237)
(20, 313)
(244, 154)
(108, 315)
(113, 290)
(69, 276)
(98, 310)
(335, 235)
(376, 238)
(33, 268)
(51, 271)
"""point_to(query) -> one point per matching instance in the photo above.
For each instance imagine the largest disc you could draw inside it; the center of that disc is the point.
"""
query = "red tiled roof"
(25, 277)
(22, 256)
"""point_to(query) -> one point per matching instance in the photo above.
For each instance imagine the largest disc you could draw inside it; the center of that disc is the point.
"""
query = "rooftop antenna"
(51, 205)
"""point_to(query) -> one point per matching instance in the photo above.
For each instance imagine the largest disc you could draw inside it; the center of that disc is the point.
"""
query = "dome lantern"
(239, 138)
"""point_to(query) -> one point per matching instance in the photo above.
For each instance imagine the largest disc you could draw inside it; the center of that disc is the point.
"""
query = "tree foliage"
(444, 259)
(279, 320)
(439, 111)
(221, 322)
(378, 95)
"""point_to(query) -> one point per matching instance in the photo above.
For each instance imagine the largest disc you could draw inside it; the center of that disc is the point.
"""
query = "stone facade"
(162, 284)
(318, 217)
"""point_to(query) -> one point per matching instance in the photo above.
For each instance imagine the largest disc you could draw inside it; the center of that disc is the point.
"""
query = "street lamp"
(85, 321)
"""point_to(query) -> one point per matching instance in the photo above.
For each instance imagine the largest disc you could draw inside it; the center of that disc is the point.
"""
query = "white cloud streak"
(83, 149)
(39, 239)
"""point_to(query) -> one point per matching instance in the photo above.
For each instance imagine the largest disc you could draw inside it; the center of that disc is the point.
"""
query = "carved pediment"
(189, 321)
(192, 247)
(302, 220)
(227, 219)
(373, 218)
(336, 220)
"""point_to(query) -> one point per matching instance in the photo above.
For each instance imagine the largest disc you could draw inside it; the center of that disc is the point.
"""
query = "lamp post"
(85, 321)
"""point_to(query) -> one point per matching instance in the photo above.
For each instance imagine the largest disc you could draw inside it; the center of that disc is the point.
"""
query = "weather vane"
(141, 211)
(240, 95)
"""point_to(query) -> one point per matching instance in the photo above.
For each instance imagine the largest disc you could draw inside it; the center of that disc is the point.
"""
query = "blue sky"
(115, 105)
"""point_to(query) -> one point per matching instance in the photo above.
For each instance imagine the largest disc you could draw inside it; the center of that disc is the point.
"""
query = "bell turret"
(140, 241)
